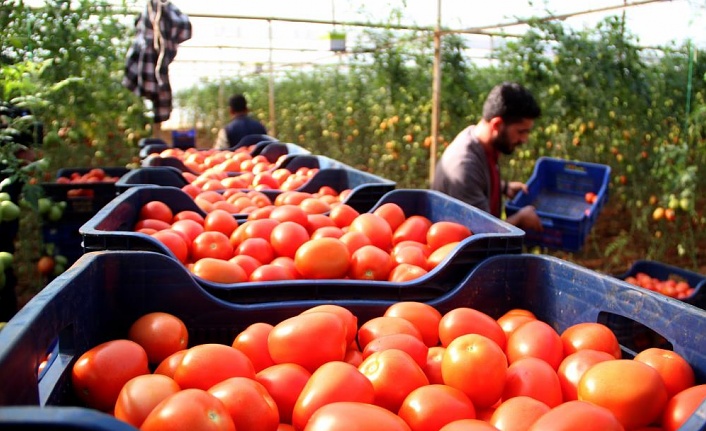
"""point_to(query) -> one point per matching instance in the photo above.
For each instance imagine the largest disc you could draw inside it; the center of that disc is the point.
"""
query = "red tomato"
(156, 210)
(394, 374)
(188, 227)
(219, 271)
(511, 320)
(464, 320)
(370, 263)
(253, 342)
(438, 255)
(577, 416)
(468, 425)
(354, 416)
(534, 378)
(175, 242)
(406, 272)
(189, 409)
(375, 228)
(635, 405)
(205, 365)
(211, 244)
(188, 215)
(253, 229)
(535, 339)
(270, 272)
(288, 264)
(327, 232)
(323, 258)
(259, 248)
(140, 396)
(353, 357)
(676, 373)
(425, 317)
(433, 366)
(250, 405)
(332, 382)
(221, 221)
(100, 373)
(309, 339)
(392, 213)
(169, 364)
(409, 344)
(314, 206)
(681, 406)
(415, 228)
(284, 382)
(573, 366)
(343, 215)
(287, 237)
(290, 213)
(445, 232)
(350, 321)
(151, 223)
(354, 240)
(430, 407)
(247, 263)
(518, 413)
(317, 221)
(160, 334)
(475, 365)
(385, 325)
(590, 335)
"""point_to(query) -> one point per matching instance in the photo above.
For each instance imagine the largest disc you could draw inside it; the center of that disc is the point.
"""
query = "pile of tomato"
(676, 289)
(302, 237)
(412, 368)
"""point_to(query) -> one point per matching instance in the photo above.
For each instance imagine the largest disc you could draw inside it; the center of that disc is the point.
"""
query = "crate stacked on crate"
(105, 292)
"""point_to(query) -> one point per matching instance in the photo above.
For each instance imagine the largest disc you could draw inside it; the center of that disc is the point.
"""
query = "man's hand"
(514, 187)
(526, 218)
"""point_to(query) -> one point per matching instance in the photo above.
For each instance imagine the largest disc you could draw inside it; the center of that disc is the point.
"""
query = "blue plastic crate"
(66, 239)
(98, 299)
(253, 139)
(662, 271)
(158, 175)
(274, 150)
(111, 229)
(557, 189)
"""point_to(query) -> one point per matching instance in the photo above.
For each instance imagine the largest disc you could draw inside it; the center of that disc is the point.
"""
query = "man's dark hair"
(238, 103)
(511, 102)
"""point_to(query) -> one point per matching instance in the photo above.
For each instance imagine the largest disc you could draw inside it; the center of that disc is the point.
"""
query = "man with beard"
(468, 169)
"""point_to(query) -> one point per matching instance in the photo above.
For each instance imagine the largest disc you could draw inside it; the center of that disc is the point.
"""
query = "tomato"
(140, 396)
(323, 258)
(535, 339)
(343, 215)
(676, 373)
(290, 213)
(353, 357)
(253, 342)
(160, 334)
(518, 413)
(406, 272)
(250, 405)
(189, 409)
(475, 365)
(327, 232)
(253, 229)
(317, 221)
(370, 263)
(188, 215)
(512, 319)
(150, 223)
(464, 320)
(354, 240)
(468, 425)
(247, 263)
(432, 369)
(188, 227)
(156, 210)
(414, 228)
(309, 339)
(354, 416)
(409, 344)
(438, 255)
(425, 317)
(385, 325)
(445, 232)
(635, 405)
(287, 237)
(375, 228)
(211, 244)
(219, 271)
(205, 365)
(259, 248)
(350, 321)
(332, 382)
(288, 264)
(392, 213)
(394, 374)
(590, 335)
(220, 221)
(284, 382)
(100, 373)
(431, 407)
(169, 364)
(175, 242)
(534, 378)
(577, 416)
(314, 206)
(681, 406)
(573, 366)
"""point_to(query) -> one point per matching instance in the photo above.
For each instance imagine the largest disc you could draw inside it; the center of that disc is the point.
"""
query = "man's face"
(512, 135)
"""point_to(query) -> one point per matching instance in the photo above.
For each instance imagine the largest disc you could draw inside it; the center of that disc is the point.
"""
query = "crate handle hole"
(575, 168)
(633, 336)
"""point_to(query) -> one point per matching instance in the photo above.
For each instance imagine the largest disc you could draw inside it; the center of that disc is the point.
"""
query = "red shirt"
(492, 157)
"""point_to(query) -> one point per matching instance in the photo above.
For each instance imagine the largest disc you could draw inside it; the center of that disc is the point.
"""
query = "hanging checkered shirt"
(160, 29)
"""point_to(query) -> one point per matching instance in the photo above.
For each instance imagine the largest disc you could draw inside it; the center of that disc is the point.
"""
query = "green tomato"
(55, 213)
(44, 205)
(58, 269)
(60, 259)
(6, 259)
(10, 211)
(4, 196)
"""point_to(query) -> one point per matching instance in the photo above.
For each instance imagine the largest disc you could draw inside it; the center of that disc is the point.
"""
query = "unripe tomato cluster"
(413, 368)
(302, 236)
(673, 288)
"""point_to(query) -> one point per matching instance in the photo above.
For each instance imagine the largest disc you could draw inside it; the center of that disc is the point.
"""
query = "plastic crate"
(66, 239)
(157, 175)
(274, 150)
(248, 140)
(184, 139)
(557, 189)
(157, 160)
(82, 208)
(98, 299)
(662, 271)
(111, 229)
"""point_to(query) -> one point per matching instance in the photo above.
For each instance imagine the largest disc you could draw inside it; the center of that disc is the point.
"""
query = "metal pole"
(436, 95)
(273, 119)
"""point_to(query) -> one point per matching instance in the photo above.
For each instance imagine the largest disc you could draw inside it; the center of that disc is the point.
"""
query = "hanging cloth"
(159, 31)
